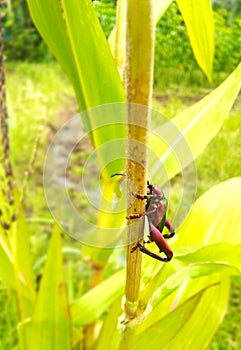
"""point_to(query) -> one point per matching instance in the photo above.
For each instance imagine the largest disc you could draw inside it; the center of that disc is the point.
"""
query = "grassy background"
(40, 95)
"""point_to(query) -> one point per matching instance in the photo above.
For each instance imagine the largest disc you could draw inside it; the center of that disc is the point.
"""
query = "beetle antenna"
(118, 174)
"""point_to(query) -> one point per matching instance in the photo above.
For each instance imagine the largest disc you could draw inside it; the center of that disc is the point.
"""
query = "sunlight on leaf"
(187, 135)
(195, 334)
(159, 8)
(188, 327)
(198, 18)
(86, 59)
(109, 333)
(60, 22)
(50, 324)
(215, 216)
(169, 326)
(206, 265)
(218, 252)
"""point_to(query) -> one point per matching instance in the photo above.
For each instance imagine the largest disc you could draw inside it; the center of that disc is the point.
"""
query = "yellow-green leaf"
(109, 333)
(186, 135)
(169, 326)
(181, 327)
(50, 324)
(159, 8)
(198, 18)
(73, 33)
(224, 253)
(215, 216)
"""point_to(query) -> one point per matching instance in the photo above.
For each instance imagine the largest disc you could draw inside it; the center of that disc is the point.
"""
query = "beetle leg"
(142, 196)
(144, 250)
(135, 247)
(170, 228)
(157, 237)
(138, 244)
(137, 216)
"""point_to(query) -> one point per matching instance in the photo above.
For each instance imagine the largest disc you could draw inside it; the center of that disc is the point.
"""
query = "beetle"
(156, 208)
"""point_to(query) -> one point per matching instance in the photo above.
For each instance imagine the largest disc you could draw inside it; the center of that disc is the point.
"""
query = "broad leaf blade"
(48, 19)
(20, 242)
(50, 324)
(190, 271)
(188, 134)
(177, 280)
(218, 252)
(169, 326)
(206, 265)
(213, 217)
(109, 333)
(198, 18)
(184, 327)
(100, 82)
(73, 33)
(6, 258)
(159, 8)
(195, 333)
(13, 276)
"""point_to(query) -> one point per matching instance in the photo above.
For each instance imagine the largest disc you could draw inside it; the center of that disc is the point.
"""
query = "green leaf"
(196, 334)
(47, 17)
(198, 18)
(169, 326)
(215, 217)
(16, 265)
(179, 278)
(20, 243)
(73, 33)
(6, 258)
(13, 274)
(210, 310)
(190, 271)
(159, 8)
(185, 325)
(203, 261)
(92, 304)
(109, 333)
(219, 252)
(188, 134)
(50, 324)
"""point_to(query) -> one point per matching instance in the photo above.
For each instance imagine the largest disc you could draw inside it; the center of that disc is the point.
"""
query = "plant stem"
(139, 79)
(7, 184)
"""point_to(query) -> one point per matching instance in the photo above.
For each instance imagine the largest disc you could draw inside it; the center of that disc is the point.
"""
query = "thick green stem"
(139, 78)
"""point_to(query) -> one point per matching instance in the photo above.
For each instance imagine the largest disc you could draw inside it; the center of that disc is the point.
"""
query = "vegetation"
(26, 83)
(69, 268)
(172, 50)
